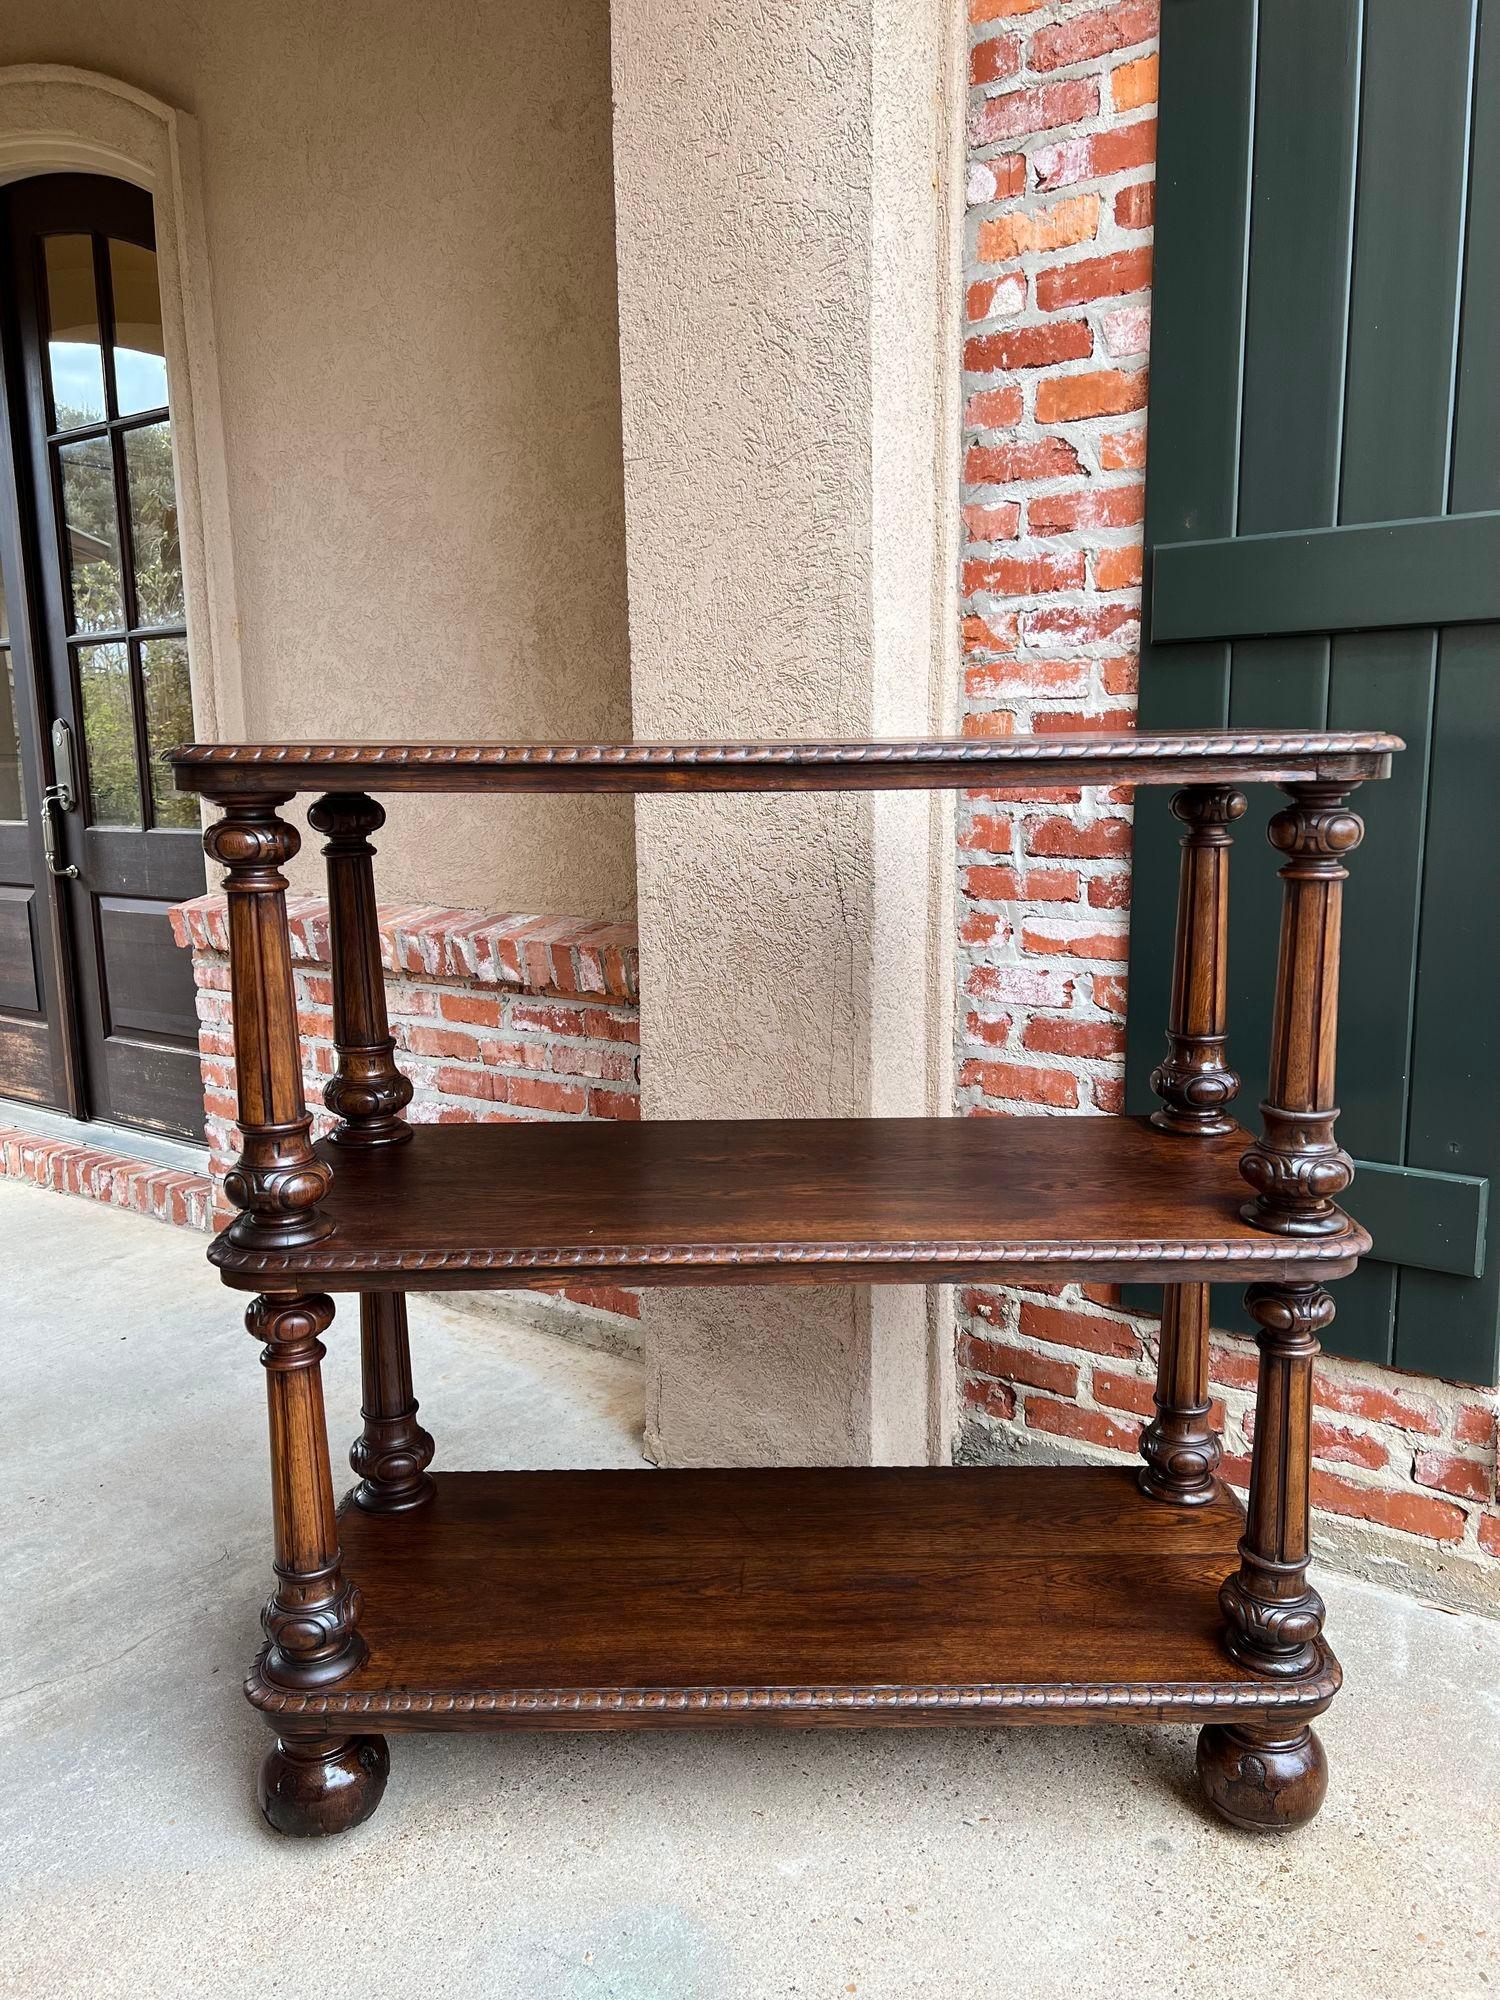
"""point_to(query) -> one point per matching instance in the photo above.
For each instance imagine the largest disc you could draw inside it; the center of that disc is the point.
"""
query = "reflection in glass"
(12, 805)
(153, 525)
(74, 361)
(109, 735)
(140, 365)
(92, 532)
(169, 720)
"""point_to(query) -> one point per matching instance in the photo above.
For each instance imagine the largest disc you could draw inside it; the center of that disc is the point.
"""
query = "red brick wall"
(1062, 143)
(495, 1018)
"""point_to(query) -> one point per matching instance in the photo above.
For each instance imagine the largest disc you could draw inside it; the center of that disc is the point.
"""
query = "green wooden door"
(1323, 547)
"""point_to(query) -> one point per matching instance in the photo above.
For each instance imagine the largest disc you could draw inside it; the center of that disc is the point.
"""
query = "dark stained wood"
(784, 1201)
(392, 1453)
(311, 1619)
(277, 1180)
(366, 1092)
(1296, 1166)
(322, 1784)
(224, 770)
(1275, 1616)
(843, 1595)
(1266, 1779)
(1179, 1445)
(1195, 1083)
(609, 1600)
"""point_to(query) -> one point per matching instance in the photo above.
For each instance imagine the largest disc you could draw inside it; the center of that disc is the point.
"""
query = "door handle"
(56, 798)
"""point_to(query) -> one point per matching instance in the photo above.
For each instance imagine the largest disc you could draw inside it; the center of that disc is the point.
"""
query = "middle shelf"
(787, 1201)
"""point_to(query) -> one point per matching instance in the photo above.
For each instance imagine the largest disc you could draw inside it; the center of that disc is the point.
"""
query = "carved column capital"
(1210, 810)
(1290, 1317)
(1315, 832)
(348, 818)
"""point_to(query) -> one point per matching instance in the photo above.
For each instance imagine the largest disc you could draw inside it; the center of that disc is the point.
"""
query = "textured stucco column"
(789, 272)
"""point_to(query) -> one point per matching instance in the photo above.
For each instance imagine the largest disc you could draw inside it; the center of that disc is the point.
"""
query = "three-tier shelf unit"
(854, 1596)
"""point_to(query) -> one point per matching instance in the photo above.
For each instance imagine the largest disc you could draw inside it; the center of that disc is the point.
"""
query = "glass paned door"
(90, 398)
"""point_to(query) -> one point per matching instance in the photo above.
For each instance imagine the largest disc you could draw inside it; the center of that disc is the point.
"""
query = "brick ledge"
(572, 957)
(97, 1174)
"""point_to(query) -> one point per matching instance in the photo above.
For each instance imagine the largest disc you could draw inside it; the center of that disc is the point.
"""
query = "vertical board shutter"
(1323, 547)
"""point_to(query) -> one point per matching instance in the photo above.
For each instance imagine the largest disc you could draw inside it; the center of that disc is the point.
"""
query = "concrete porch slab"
(737, 1866)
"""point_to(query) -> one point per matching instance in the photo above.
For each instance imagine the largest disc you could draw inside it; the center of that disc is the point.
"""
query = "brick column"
(784, 276)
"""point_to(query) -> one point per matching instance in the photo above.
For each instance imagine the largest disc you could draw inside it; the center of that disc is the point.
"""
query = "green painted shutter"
(1323, 547)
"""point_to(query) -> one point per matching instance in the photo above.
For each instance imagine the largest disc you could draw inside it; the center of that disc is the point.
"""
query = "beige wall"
(788, 252)
(410, 226)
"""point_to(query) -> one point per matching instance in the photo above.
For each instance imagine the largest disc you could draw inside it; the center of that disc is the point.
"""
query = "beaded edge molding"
(1082, 748)
(1316, 1251)
(1307, 1696)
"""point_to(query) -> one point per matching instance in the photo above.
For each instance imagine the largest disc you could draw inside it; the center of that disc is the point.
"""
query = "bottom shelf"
(856, 1596)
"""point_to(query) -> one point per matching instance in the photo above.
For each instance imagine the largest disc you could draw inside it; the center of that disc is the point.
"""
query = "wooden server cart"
(856, 1596)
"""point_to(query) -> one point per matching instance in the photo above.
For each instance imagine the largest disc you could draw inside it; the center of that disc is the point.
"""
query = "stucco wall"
(411, 241)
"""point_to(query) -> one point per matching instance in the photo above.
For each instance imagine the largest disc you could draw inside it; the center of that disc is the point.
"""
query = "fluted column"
(1194, 1081)
(392, 1453)
(1179, 1445)
(278, 1180)
(1296, 1166)
(312, 1617)
(367, 1093)
(1274, 1615)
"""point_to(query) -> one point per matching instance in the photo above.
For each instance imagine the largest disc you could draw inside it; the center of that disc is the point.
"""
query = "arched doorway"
(96, 1003)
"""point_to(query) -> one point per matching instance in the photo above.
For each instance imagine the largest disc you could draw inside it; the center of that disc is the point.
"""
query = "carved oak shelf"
(599, 1600)
(852, 1595)
(798, 1201)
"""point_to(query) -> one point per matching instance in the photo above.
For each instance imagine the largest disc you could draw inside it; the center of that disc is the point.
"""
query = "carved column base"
(1179, 1445)
(391, 1459)
(368, 1094)
(1298, 1172)
(1271, 1634)
(391, 1455)
(1264, 1777)
(276, 1183)
(311, 1620)
(1182, 1456)
(319, 1785)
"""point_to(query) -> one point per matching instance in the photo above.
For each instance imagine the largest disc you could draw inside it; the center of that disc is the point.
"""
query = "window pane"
(140, 366)
(153, 525)
(169, 720)
(12, 805)
(74, 359)
(109, 735)
(92, 532)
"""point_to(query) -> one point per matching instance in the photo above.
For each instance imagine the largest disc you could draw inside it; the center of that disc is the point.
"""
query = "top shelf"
(951, 763)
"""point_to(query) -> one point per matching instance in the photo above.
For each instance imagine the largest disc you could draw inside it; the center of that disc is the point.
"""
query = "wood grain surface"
(856, 1595)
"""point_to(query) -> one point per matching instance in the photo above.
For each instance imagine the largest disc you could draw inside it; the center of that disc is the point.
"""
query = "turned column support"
(1296, 1166)
(367, 1093)
(1274, 1615)
(1179, 1445)
(1193, 1080)
(278, 1180)
(312, 1617)
(391, 1455)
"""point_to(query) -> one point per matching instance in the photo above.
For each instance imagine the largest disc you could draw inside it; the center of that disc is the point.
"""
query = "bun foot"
(1260, 1777)
(323, 1784)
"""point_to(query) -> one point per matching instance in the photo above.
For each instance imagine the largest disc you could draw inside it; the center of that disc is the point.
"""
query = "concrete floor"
(733, 1866)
